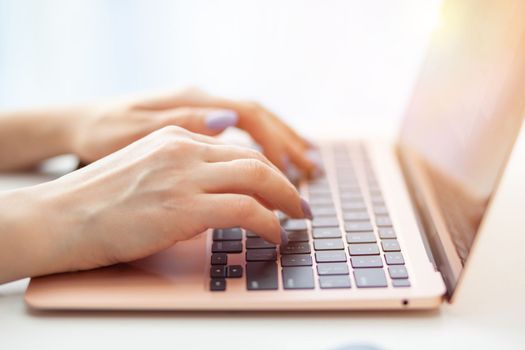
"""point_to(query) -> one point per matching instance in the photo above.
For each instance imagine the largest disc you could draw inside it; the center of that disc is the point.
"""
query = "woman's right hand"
(166, 187)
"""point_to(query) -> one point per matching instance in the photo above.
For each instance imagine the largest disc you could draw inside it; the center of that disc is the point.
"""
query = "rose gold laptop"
(394, 224)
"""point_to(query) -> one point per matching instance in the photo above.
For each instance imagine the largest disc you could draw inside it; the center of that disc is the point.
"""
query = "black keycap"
(320, 191)
(380, 210)
(301, 277)
(261, 255)
(321, 201)
(295, 248)
(227, 247)
(401, 283)
(251, 234)
(356, 216)
(324, 211)
(390, 245)
(351, 197)
(328, 244)
(296, 260)
(258, 243)
(377, 201)
(261, 275)
(363, 249)
(298, 236)
(366, 261)
(386, 232)
(350, 206)
(218, 271)
(351, 186)
(234, 271)
(217, 284)
(383, 221)
(327, 232)
(330, 256)
(328, 221)
(219, 259)
(398, 272)
(332, 269)
(295, 225)
(328, 282)
(370, 278)
(227, 234)
(358, 226)
(361, 237)
(394, 258)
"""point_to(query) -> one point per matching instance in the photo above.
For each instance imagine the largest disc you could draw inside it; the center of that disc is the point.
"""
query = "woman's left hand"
(104, 130)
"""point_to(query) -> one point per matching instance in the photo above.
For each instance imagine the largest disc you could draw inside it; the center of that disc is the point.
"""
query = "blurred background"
(346, 65)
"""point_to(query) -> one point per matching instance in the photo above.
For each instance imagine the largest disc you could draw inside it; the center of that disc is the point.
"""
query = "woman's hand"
(103, 130)
(166, 187)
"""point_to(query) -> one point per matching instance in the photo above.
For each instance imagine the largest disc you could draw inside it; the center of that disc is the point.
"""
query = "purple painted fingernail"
(221, 119)
(284, 237)
(306, 209)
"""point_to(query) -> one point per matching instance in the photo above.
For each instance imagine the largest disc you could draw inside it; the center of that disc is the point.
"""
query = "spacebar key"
(261, 275)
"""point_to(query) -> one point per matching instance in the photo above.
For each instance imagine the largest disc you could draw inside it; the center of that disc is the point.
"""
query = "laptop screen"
(467, 109)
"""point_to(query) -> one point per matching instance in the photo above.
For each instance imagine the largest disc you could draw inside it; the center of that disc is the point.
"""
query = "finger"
(231, 210)
(177, 131)
(254, 178)
(225, 153)
(207, 121)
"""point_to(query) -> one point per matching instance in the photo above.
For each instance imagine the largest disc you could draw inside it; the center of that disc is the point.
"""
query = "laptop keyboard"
(350, 243)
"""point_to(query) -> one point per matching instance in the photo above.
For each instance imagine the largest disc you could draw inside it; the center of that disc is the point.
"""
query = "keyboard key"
(218, 271)
(321, 201)
(370, 278)
(401, 283)
(351, 197)
(298, 236)
(383, 221)
(330, 256)
(217, 284)
(380, 209)
(295, 248)
(227, 234)
(390, 245)
(250, 234)
(282, 216)
(234, 271)
(377, 201)
(386, 232)
(258, 243)
(397, 272)
(329, 221)
(328, 244)
(394, 258)
(363, 249)
(219, 259)
(298, 277)
(227, 247)
(349, 206)
(327, 232)
(356, 216)
(360, 237)
(295, 225)
(328, 282)
(366, 261)
(296, 260)
(261, 275)
(324, 211)
(358, 226)
(261, 255)
(332, 269)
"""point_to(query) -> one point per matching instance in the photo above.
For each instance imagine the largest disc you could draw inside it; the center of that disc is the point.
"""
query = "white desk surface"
(491, 320)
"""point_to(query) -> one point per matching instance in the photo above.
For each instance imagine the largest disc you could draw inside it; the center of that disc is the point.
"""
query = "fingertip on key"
(307, 211)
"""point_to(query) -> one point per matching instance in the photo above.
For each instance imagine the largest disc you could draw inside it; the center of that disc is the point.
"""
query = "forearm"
(28, 137)
(30, 244)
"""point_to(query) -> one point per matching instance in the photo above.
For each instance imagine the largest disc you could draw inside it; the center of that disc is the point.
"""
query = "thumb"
(207, 121)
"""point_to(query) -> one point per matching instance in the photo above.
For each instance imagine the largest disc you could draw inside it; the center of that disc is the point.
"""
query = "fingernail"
(306, 209)
(221, 119)
(315, 157)
(284, 237)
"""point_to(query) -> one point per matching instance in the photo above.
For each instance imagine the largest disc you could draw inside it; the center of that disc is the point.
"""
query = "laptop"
(394, 222)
